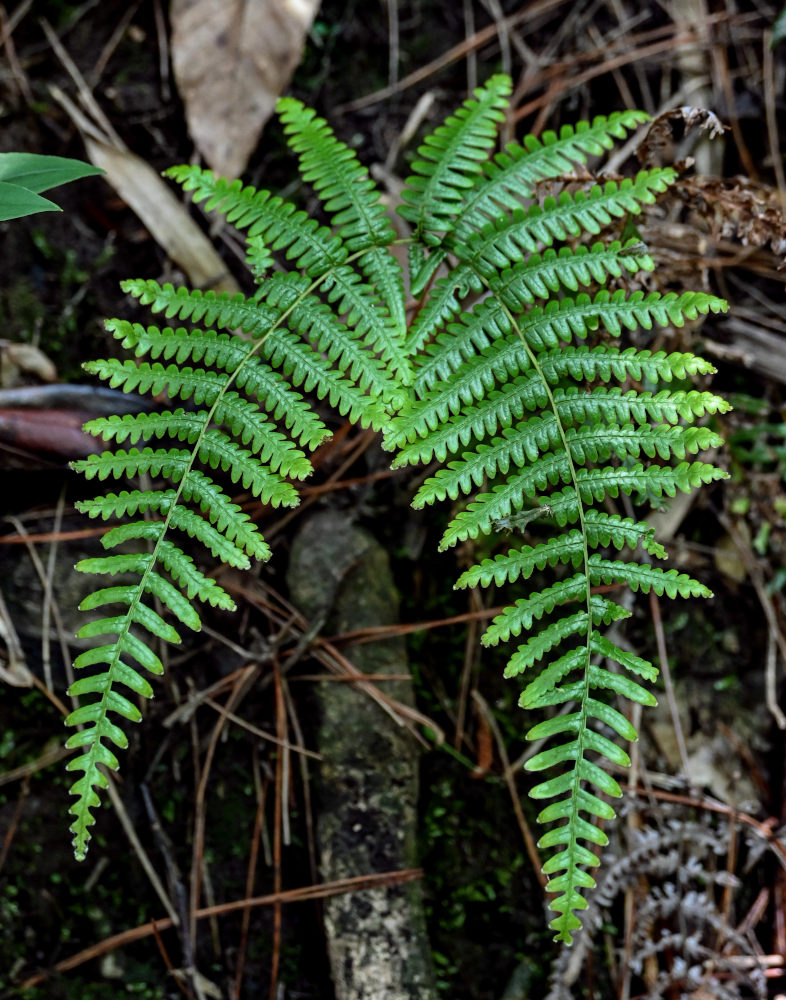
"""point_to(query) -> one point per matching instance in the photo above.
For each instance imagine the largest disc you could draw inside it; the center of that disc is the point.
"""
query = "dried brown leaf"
(166, 218)
(17, 360)
(656, 146)
(232, 59)
(737, 208)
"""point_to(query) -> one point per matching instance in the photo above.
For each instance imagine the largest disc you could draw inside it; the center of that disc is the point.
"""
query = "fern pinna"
(492, 380)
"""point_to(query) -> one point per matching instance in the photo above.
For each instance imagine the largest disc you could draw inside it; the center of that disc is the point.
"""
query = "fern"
(496, 403)
(502, 379)
(332, 326)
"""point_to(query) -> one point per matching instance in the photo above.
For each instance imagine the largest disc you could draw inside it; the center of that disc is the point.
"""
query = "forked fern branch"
(508, 378)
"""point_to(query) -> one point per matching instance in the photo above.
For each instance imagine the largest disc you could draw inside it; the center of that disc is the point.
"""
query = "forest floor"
(693, 902)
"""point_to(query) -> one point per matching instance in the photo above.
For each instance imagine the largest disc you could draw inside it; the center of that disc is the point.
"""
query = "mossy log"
(368, 780)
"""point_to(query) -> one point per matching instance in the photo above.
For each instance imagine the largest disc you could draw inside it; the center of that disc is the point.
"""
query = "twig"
(141, 853)
(47, 758)
(665, 671)
(772, 122)
(635, 49)
(494, 7)
(771, 681)
(373, 632)
(357, 883)
(6, 35)
(48, 601)
(243, 724)
(169, 964)
(114, 40)
(472, 59)
(393, 42)
(720, 66)
(303, 762)
(510, 781)
(197, 851)
(11, 831)
(253, 854)
(452, 55)
(327, 654)
(163, 50)
(278, 808)
(471, 654)
(84, 92)
(55, 610)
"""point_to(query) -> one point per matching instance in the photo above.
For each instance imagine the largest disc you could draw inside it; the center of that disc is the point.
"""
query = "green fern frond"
(535, 427)
(450, 159)
(353, 201)
(511, 176)
(332, 324)
(513, 405)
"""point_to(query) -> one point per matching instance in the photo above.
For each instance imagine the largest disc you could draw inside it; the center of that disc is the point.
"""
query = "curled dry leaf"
(656, 146)
(17, 360)
(232, 59)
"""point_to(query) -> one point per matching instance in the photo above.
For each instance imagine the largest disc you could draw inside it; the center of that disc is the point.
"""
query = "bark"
(368, 782)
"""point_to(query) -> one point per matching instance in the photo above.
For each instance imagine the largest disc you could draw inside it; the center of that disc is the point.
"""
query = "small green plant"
(500, 379)
(23, 176)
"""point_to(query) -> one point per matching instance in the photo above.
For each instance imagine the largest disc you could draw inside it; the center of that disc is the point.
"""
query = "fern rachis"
(509, 393)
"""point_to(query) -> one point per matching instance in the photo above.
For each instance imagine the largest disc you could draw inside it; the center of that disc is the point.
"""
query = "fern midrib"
(576, 784)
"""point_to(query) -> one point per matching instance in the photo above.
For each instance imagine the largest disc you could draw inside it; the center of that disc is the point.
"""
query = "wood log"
(368, 781)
